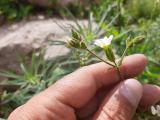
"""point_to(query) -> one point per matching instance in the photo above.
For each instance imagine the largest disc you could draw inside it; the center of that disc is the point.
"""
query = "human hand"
(93, 92)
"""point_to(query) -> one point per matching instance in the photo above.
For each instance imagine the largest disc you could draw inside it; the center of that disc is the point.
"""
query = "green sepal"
(136, 40)
(109, 53)
(83, 45)
(76, 44)
(71, 44)
(74, 34)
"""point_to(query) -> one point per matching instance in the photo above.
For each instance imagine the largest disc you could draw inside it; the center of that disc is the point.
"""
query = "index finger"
(79, 87)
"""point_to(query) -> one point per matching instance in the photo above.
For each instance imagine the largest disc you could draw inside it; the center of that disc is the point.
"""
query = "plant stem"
(123, 55)
(99, 58)
(116, 66)
(118, 71)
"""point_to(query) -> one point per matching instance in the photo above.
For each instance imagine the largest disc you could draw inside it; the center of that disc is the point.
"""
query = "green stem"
(99, 58)
(123, 55)
(118, 71)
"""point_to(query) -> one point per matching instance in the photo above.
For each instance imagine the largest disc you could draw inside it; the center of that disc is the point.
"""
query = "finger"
(79, 87)
(121, 102)
(91, 107)
(151, 96)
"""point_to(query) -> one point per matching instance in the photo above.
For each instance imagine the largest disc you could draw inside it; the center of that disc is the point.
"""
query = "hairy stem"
(99, 58)
(123, 55)
(116, 66)
(118, 71)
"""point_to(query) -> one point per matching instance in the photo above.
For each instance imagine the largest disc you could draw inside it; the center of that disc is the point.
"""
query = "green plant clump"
(15, 9)
(144, 8)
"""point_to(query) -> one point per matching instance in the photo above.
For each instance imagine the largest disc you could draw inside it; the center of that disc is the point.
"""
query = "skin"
(92, 92)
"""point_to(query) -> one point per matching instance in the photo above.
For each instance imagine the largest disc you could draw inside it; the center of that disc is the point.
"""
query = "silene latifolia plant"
(105, 44)
(78, 42)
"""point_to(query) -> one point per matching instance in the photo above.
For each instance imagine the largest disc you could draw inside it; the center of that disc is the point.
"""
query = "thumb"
(121, 102)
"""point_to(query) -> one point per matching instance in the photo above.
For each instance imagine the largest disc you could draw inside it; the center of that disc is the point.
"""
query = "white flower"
(104, 41)
(156, 110)
(153, 110)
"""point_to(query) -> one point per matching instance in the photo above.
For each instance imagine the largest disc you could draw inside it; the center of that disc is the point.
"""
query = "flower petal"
(110, 38)
(104, 41)
(153, 110)
(99, 42)
(107, 41)
(158, 110)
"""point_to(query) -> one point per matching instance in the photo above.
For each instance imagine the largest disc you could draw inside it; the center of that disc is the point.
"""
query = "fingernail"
(132, 90)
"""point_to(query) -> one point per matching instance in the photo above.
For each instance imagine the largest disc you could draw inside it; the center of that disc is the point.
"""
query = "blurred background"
(33, 34)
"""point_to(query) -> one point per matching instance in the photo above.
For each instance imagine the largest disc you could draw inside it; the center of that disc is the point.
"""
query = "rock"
(21, 39)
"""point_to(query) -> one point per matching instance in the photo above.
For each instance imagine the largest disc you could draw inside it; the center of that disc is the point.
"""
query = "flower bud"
(82, 45)
(136, 40)
(71, 43)
(76, 41)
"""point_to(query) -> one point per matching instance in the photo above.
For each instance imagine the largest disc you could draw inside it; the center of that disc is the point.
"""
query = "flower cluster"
(104, 43)
(76, 41)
